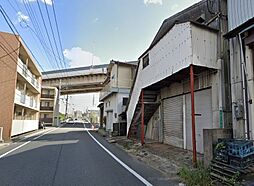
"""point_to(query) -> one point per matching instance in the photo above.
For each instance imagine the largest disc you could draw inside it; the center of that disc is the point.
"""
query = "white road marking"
(22, 145)
(120, 162)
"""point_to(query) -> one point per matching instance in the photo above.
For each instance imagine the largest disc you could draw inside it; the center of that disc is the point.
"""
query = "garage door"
(173, 121)
(203, 110)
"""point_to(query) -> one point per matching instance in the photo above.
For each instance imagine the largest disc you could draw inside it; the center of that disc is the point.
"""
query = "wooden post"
(194, 149)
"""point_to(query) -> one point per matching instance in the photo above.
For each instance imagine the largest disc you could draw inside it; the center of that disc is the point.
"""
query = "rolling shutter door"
(173, 121)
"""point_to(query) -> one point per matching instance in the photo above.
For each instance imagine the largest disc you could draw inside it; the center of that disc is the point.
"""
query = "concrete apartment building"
(115, 94)
(49, 107)
(241, 42)
(187, 45)
(20, 87)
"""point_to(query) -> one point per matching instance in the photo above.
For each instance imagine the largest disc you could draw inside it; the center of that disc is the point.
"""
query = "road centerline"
(143, 180)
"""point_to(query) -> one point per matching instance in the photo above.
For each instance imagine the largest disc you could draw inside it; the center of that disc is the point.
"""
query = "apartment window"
(125, 100)
(115, 115)
(145, 61)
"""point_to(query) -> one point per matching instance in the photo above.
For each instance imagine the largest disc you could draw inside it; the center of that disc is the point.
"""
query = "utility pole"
(58, 100)
(66, 106)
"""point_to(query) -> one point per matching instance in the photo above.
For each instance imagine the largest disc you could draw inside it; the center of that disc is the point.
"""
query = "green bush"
(199, 176)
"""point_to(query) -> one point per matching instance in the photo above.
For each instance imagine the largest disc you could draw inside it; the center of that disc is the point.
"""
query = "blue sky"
(94, 31)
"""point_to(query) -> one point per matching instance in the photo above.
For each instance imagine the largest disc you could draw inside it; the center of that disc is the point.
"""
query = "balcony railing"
(28, 75)
(47, 96)
(46, 120)
(47, 108)
(25, 100)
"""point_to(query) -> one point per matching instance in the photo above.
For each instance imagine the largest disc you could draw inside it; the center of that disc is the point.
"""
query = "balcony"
(46, 108)
(28, 75)
(25, 101)
(107, 90)
(46, 120)
(51, 96)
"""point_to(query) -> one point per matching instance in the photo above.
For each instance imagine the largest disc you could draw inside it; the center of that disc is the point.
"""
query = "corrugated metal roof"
(191, 13)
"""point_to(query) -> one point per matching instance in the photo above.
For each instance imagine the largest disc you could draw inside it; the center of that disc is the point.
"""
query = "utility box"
(239, 111)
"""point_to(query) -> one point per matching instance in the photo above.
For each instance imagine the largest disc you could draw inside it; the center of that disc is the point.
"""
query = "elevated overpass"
(76, 80)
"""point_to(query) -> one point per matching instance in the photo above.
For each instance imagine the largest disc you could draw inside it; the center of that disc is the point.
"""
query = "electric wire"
(14, 29)
(52, 31)
(58, 33)
(44, 23)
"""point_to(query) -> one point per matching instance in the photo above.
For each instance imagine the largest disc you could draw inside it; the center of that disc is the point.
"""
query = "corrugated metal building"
(162, 83)
(241, 38)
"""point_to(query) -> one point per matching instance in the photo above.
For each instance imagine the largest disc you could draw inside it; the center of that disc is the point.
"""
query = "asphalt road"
(70, 156)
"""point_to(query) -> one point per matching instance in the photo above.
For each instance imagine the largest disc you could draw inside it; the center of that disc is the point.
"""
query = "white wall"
(22, 126)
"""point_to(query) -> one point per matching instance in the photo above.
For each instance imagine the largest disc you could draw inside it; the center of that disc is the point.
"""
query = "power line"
(48, 35)
(61, 62)
(44, 23)
(38, 33)
(36, 25)
(57, 28)
(10, 55)
(10, 24)
(3, 56)
(52, 31)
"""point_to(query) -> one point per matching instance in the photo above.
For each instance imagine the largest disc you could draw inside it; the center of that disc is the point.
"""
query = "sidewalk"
(165, 158)
(22, 137)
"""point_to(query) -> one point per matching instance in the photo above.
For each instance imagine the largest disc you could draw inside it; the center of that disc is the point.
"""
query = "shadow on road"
(63, 158)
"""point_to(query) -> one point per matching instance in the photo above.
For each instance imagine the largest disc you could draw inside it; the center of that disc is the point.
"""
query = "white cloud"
(22, 17)
(147, 2)
(95, 20)
(48, 2)
(80, 58)
(174, 6)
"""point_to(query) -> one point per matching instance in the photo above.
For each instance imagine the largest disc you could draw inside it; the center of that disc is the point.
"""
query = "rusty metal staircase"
(150, 106)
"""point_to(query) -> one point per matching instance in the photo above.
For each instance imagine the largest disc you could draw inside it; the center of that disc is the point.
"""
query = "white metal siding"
(204, 47)
(171, 54)
(173, 121)
(174, 52)
(239, 11)
(203, 109)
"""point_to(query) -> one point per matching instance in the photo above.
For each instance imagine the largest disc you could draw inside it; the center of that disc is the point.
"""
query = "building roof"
(195, 14)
